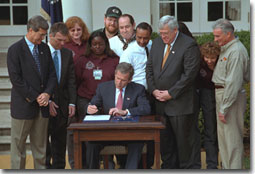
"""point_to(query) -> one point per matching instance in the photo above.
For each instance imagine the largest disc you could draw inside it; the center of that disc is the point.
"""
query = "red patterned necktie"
(120, 100)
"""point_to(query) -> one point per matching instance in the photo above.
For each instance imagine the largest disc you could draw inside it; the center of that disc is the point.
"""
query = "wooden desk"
(147, 128)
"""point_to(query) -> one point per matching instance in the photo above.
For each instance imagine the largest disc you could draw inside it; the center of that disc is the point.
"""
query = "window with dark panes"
(20, 15)
(227, 9)
(19, 1)
(4, 1)
(184, 12)
(5, 16)
(181, 9)
(215, 10)
(13, 12)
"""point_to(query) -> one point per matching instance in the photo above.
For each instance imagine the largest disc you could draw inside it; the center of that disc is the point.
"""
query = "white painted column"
(80, 8)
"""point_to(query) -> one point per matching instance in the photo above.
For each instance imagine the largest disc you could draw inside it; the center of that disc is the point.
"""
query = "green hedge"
(244, 37)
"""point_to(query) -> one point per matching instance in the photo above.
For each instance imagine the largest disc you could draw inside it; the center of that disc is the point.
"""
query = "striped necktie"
(147, 51)
(35, 54)
(56, 63)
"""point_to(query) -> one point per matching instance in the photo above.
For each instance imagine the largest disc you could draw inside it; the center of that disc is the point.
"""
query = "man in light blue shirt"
(62, 103)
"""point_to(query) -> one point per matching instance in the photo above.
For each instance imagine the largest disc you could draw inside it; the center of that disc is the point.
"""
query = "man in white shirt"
(127, 34)
(137, 53)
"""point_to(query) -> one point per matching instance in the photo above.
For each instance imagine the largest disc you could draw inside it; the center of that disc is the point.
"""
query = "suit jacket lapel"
(161, 51)
(127, 97)
(63, 66)
(112, 93)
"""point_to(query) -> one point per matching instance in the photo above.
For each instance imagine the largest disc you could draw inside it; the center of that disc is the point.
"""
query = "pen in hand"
(92, 109)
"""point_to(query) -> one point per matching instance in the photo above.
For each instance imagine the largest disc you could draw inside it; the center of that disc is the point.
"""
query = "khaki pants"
(230, 135)
(37, 130)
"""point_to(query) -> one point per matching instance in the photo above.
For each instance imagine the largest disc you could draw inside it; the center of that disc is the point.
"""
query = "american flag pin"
(128, 98)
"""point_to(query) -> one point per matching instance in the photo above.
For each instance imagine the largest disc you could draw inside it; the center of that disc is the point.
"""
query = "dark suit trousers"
(93, 153)
(81, 112)
(56, 148)
(208, 105)
(177, 141)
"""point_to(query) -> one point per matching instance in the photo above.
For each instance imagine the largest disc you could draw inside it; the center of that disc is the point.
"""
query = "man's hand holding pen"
(92, 109)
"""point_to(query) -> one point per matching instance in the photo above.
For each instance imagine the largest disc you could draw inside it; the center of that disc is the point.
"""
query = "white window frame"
(243, 24)
(33, 7)
(199, 22)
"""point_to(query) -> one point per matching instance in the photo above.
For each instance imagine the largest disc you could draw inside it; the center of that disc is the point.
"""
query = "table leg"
(77, 151)
(157, 149)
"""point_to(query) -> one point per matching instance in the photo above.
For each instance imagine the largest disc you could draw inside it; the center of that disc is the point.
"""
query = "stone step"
(3, 59)
(5, 102)
(5, 80)
(6, 92)
(5, 88)
(4, 72)
(5, 124)
(5, 85)
(5, 143)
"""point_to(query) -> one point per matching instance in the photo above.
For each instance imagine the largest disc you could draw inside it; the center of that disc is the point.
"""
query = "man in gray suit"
(171, 70)
(62, 103)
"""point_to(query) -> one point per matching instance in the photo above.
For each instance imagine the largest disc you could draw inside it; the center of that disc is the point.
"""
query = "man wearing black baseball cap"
(111, 21)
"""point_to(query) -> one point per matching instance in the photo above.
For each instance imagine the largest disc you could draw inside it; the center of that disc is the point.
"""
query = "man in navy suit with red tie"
(120, 97)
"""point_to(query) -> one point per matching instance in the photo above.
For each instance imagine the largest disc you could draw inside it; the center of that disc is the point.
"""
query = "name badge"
(98, 74)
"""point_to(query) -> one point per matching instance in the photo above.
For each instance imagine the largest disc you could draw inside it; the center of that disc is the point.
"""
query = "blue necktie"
(36, 57)
(56, 63)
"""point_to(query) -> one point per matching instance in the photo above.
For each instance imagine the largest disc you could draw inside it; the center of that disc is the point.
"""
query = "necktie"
(120, 100)
(147, 52)
(35, 54)
(166, 56)
(125, 44)
(56, 63)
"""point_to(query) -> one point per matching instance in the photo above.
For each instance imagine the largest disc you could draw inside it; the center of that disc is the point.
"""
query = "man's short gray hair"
(37, 22)
(170, 21)
(225, 25)
(125, 68)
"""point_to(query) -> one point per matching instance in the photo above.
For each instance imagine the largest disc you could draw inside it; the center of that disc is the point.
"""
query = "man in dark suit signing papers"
(171, 70)
(120, 97)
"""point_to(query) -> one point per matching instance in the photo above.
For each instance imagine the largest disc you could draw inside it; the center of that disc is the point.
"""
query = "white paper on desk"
(97, 117)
